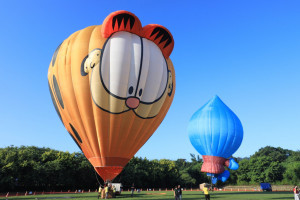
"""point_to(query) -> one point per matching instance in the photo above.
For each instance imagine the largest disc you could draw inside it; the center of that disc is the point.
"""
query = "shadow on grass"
(244, 193)
(139, 196)
(220, 195)
(165, 197)
(40, 198)
(258, 193)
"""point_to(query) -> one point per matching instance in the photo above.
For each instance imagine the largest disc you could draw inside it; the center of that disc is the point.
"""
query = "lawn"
(163, 195)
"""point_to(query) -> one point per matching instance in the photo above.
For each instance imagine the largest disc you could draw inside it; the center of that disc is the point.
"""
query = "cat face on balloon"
(130, 72)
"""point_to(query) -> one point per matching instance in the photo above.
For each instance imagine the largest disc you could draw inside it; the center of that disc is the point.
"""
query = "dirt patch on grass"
(155, 193)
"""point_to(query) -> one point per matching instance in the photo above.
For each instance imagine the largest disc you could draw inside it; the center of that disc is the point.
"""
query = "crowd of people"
(107, 191)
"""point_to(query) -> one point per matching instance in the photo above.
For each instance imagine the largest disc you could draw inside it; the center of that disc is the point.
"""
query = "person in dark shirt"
(179, 192)
(132, 189)
(176, 194)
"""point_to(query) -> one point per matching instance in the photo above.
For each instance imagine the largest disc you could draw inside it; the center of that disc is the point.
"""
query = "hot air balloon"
(112, 85)
(216, 133)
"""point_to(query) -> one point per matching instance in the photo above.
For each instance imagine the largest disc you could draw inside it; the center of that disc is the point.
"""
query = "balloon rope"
(97, 178)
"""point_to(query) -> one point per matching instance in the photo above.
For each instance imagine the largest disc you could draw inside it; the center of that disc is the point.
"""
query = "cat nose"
(132, 102)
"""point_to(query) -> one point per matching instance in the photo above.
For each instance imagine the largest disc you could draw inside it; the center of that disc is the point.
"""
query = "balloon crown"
(126, 21)
(215, 101)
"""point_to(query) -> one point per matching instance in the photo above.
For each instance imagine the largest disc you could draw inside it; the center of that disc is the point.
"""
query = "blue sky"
(246, 52)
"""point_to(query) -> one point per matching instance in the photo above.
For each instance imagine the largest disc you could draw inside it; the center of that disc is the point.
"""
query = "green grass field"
(163, 195)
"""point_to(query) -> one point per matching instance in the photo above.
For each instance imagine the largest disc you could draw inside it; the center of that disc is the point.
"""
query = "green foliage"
(150, 174)
(292, 172)
(243, 173)
(269, 164)
(32, 168)
(276, 154)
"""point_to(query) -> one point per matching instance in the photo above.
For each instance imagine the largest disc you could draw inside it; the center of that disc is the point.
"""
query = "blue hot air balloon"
(216, 133)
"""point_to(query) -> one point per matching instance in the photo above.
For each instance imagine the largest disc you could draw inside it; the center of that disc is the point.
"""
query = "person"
(206, 194)
(132, 190)
(179, 192)
(106, 189)
(114, 191)
(99, 191)
(296, 192)
(176, 194)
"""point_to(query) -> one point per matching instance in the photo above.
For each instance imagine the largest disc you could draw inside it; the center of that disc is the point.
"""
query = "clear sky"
(245, 51)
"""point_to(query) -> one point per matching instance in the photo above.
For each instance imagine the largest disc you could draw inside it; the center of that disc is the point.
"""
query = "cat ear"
(161, 36)
(121, 21)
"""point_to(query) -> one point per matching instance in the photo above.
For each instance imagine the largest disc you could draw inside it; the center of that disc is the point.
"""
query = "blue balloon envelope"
(216, 133)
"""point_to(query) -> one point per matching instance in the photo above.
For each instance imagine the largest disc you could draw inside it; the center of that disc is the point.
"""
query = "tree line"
(43, 169)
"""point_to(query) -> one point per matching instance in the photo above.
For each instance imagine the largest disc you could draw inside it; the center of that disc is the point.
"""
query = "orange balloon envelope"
(112, 85)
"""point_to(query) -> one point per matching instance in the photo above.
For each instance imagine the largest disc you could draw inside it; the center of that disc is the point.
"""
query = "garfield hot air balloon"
(216, 133)
(112, 85)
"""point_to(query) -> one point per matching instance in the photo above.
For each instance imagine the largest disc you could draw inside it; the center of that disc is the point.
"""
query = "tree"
(277, 154)
(186, 179)
(243, 173)
(33, 168)
(292, 172)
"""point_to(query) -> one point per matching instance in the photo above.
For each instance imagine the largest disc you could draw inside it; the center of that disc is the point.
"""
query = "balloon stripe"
(54, 102)
(227, 141)
(57, 92)
(75, 133)
(75, 141)
(95, 43)
(55, 55)
(69, 91)
(82, 94)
